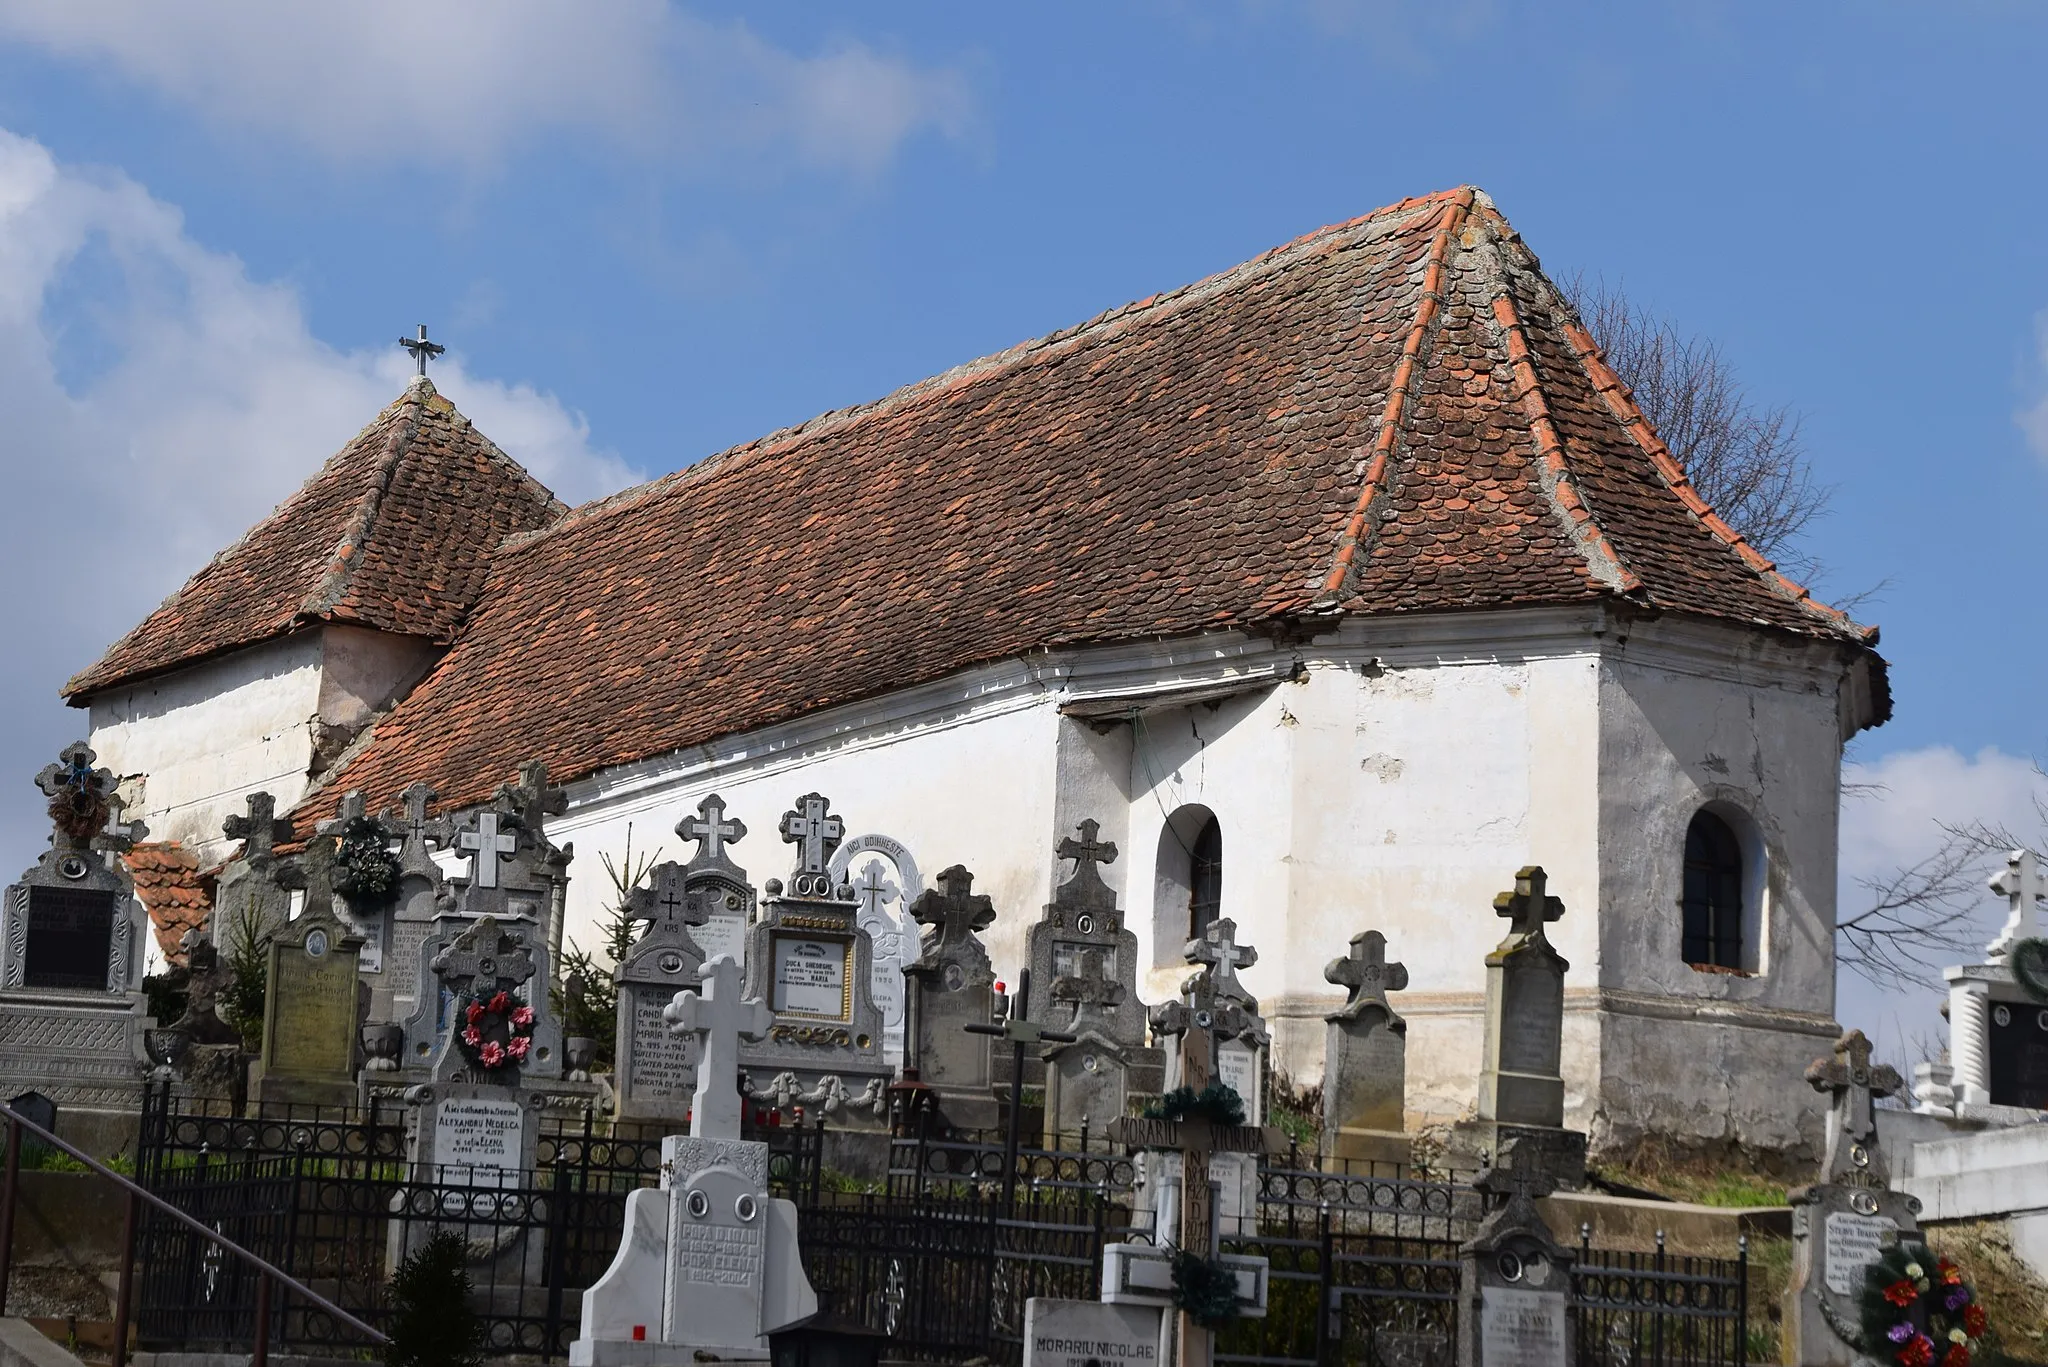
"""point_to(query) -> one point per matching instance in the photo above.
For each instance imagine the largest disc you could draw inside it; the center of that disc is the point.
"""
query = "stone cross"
(667, 899)
(1529, 906)
(1087, 853)
(118, 835)
(2022, 883)
(814, 831)
(84, 789)
(957, 911)
(484, 846)
(1090, 986)
(1854, 1086)
(261, 829)
(1218, 950)
(717, 1016)
(710, 829)
(421, 831)
(1366, 972)
(353, 807)
(874, 891)
(422, 350)
(485, 957)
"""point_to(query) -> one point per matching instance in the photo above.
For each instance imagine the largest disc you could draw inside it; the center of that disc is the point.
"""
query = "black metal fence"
(1364, 1263)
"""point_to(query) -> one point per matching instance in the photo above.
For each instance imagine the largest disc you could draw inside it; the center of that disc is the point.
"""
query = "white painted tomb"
(709, 1260)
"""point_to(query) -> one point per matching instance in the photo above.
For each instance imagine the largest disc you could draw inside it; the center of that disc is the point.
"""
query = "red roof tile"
(1398, 414)
(393, 533)
(173, 889)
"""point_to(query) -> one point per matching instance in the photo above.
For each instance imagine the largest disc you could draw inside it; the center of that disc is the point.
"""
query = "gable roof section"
(394, 533)
(1397, 414)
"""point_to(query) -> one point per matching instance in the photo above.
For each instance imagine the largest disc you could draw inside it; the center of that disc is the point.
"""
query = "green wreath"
(1205, 1289)
(2029, 960)
(1918, 1308)
(366, 872)
(1216, 1103)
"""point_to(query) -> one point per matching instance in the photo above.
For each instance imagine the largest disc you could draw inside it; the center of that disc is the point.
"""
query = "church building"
(1335, 588)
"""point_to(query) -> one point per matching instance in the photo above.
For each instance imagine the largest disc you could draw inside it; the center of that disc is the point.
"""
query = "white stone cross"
(874, 890)
(1219, 949)
(2022, 883)
(485, 846)
(711, 830)
(717, 1016)
(814, 831)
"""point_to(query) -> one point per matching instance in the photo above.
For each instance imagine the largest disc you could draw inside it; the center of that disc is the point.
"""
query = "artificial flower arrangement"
(1918, 1307)
(497, 1031)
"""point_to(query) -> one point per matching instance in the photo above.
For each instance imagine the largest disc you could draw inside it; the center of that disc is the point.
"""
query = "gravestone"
(1098, 1078)
(471, 1124)
(1998, 1030)
(891, 933)
(1521, 1085)
(310, 1023)
(952, 986)
(808, 958)
(1199, 1175)
(726, 897)
(71, 944)
(362, 858)
(1365, 1063)
(1061, 1333)
(655, 1067)
(1844, 1222)
(253, 895)
(1514, 1277)
(709, 1264)
(422, 898)
(1083, 916)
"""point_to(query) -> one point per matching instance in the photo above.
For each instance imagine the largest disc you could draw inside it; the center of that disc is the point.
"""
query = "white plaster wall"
(363, 672)
(189, 745)
(1692, 717)
(977, 791)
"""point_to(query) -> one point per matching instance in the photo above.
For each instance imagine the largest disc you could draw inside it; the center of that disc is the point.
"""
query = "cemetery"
(1059, 1172)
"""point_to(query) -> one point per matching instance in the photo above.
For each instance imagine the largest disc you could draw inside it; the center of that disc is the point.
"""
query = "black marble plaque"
(70, 938)
(2019, 1054)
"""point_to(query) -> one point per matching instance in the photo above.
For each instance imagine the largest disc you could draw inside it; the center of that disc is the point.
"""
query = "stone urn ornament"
(381, 1045)
(580, 1052)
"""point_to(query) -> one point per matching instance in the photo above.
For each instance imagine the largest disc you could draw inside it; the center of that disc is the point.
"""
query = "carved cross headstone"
(1854, 1086)
(711, 831)
(1088, 853)
(1366, 1056)
(717, 1015)
(952, 986)
(1529, 906)
(485, 958)
(484, 845)
(874, 891)
(421, 830)
(954, 911)
(816, 833)
(2022, 883)
(1218, 951)
(657, 1066)
(261, 830)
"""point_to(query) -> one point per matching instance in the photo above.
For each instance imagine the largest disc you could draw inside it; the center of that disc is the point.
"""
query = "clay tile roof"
(174, 890)
(1397, 414)
(393, 533)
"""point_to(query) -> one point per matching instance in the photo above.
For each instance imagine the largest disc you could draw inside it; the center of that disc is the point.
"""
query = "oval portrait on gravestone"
(71, 866)
(956, 977)
(671, 962)
(699, 1204)
(2001, 1016)
(745, 1207)
(316, 943)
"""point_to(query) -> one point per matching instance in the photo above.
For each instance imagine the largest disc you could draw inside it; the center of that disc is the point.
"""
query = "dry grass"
(2014, 1297)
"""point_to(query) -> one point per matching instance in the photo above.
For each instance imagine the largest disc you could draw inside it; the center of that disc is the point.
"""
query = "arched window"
(1713, 894)
(1205, 877)
(1187, 888)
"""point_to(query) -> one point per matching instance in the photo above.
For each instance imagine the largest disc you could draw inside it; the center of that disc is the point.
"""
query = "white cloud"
(1893, 810)
(158, 403)
(466, 80)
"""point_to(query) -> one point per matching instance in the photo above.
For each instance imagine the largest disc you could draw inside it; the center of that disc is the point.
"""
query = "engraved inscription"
(718, 1255)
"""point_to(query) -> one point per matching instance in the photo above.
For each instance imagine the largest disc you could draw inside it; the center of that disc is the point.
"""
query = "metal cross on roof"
(1530, 904)
(1366, 972)
(484, 845)
(711, 830)
(815, 832)
(422, 350)
(2022, 883)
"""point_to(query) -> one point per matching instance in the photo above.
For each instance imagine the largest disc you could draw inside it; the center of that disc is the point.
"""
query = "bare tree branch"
(1747, 460)
(1923, 914)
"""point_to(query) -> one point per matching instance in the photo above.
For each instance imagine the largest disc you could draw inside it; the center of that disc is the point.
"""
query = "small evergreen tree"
(586, 1000)
(432, 1324)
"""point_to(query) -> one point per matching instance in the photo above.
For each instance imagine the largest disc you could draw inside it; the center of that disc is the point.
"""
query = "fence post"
(1741, 1300)
(13, 1182)
(1327, 1299)
(261, 1357)
(1657, 1316)
(125, 1294)
(558, 1224)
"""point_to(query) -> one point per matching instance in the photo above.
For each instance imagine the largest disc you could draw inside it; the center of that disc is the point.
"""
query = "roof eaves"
(1615, 393)
(1398, 393)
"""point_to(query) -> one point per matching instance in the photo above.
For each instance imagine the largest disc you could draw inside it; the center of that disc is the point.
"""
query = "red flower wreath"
(497, 1032)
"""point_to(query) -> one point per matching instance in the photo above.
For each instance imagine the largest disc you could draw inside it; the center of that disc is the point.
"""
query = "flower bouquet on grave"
(497, 1031)
(1918, 1309)
(366, 872)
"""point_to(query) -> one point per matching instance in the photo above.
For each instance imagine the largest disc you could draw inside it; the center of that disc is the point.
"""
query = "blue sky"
(650, 231)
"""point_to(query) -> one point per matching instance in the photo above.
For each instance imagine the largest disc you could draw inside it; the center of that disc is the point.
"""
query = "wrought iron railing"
(1653, 1309)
